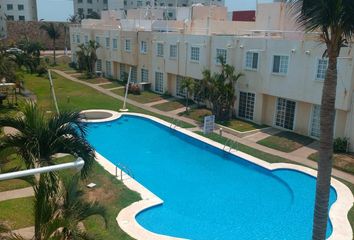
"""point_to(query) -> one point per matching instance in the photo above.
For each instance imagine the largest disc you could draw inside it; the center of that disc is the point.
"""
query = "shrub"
(134, 89)
(73, 65)
(340, 145)
(41, 70)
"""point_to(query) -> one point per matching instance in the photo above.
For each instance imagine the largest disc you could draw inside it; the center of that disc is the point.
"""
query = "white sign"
(209, 122)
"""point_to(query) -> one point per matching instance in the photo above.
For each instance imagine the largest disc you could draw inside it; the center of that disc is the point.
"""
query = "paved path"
(157, 102)
(295, 158)
(18, 193)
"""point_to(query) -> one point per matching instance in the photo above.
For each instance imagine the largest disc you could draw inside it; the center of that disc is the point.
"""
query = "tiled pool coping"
(126, 217)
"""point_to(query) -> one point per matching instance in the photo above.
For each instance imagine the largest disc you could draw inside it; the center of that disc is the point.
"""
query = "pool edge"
(126, 219)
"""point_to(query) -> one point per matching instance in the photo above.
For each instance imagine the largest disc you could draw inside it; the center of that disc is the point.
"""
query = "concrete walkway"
(299, 158)
(18, 193)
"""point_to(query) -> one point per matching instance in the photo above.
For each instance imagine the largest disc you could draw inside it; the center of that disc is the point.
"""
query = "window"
(134, 76)
(89, 1)
(80, 11)
(73, 38)
(105, 1)
(139, 3)
(285, 113)
(221, 53)
(179, 91)
(128, 45)
(195, 52)
(78, 38)
(79, 1)
(99, 65)
(246, 105)
(115, 43)
(107, 42)
(170, 15)
(10, 17)
(159, 82)
(9, 7)
(143, 47)
(89, 10)
(98, 39)
(315, 121)
(123, 75)
(159, 49)
(86, 39)
(20, 7)
(322, 65)
(251, 60)
(144, 75)
(108, 69)
(173, 51)
(21, 18)
(280, 64)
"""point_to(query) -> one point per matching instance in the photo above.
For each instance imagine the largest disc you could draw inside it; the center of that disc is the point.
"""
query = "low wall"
(19, 30)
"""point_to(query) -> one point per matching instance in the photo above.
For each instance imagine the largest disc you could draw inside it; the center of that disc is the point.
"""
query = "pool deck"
(126, 217)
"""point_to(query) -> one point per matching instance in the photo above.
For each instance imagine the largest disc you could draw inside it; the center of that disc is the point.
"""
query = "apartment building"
(283, 68)
(85, 7)
(16, 10)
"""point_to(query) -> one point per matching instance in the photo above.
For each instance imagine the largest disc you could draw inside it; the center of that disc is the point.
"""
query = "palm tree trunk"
(326, 148)
(187, 101)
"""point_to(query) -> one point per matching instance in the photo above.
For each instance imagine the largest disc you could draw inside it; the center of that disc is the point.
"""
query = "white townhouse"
(16, 10)
(283, 67)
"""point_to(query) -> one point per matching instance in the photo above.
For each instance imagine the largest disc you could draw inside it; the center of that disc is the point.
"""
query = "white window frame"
(251, 68)
(144, 70)
(317, 68)
(143, 47)
(275, 114)
(99, 65)
(156, 80)
(311, 126)
(191, 57)
(78, 38)
(171, 51)
(180, 92)
(97, 39)
(287, 68)
(115, 43)
(108, 42)
(128, 47)
(254, 105)
(217, 61)
(108, 73)
(159, 49)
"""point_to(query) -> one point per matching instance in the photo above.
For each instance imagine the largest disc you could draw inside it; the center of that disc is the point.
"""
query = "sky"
(60, 10)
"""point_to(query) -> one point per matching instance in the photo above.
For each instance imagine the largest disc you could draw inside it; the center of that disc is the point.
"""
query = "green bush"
(340, 145)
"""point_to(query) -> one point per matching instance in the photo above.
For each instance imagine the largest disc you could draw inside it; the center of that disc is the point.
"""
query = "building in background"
(86, 7)
(16, 10)
(283, 67)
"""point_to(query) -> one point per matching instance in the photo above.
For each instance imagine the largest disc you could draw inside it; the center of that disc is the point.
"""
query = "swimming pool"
(207, 193)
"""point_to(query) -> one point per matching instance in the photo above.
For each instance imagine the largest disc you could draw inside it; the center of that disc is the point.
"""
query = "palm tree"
(8, 67)
(335, 20)
(58, 214)
(220, 90)
(188, 86)
(87, 57)
(38, 137)
(53, 31)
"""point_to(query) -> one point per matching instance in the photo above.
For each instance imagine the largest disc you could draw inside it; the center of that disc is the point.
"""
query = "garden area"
(286, 141)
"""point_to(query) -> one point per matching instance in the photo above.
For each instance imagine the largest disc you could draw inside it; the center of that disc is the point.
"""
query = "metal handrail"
(174, 123)
(230, 141)
(125, 169)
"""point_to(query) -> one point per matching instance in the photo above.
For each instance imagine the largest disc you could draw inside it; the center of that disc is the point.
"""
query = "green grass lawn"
(171, 105)
(94, 80)
(17, 213)
(286, 141)
(76, 97)
(111, 85)
(341, 161)
(198, 114)
(7, 165)
(62, 63)
(143, 97)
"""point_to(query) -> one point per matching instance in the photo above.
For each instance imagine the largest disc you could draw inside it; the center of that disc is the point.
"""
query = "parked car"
(14, 50)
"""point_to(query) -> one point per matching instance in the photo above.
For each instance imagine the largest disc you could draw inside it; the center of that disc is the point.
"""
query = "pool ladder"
(174, 123)
(125, 169)
(230, 142)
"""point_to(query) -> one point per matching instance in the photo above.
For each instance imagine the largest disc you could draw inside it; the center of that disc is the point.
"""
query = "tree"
(220, 90)
(335, 20)
(8, 67)
(74, 19)
(38, 137)
(93, 15)
(53, 31)
(87, 57)
(187, 85)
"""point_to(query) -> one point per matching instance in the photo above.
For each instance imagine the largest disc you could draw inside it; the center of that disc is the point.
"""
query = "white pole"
(78, 164)
(53, 92)
(124, 109)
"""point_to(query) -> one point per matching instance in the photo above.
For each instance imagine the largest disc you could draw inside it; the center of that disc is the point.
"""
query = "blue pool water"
(207, 194)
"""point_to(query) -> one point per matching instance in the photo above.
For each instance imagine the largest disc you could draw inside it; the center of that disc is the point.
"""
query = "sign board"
(209, 122)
